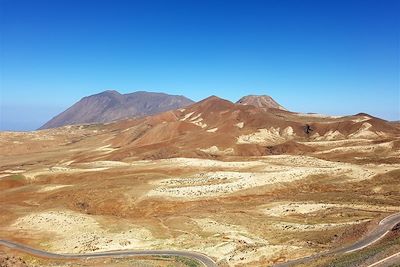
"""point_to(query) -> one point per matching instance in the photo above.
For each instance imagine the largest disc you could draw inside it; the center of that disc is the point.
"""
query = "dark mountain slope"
(111, 105)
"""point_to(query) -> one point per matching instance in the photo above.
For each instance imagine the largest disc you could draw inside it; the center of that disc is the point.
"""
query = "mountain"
(111, 105)
(218, 128)
(215, 127)
(260, 101)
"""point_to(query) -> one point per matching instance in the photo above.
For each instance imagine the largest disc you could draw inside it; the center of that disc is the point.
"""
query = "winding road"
(205, 260)
(384, 226)
(388, 261)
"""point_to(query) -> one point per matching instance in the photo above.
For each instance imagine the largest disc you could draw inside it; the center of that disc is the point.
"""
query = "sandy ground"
(337, 143)
(59, 169)
(214, 150)
(104, 164)
(207, 163)
(363, 149)
(47, 188)
(364, 132)
(213, 130)
(219, 183)
(267, 136)
(249, 212)
(76, 232)
(239, 246)
(73, 232)
(240, 125)
(317, 115)
(329, 136)
(301, 227)
(106, 148)
(291, 208)
(275, 169)
(187, 116)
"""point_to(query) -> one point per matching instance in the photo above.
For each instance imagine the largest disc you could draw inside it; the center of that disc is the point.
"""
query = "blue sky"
(335, 57)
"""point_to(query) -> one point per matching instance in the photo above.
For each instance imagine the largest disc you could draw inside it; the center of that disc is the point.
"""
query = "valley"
(244, 185)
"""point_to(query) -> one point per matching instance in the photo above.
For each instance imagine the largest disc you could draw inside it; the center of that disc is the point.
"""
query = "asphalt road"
(120, 254)
(384, 226)
(379, 232)
(388, 261)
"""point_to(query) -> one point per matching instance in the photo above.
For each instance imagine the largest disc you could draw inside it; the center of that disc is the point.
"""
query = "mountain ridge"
(110, 105)
(260, 101)
(215, 127)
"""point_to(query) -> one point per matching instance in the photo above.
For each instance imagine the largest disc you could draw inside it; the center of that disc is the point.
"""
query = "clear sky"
(332, 56)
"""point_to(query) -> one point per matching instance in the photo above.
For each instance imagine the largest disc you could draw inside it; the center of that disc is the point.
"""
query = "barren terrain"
(243, 192)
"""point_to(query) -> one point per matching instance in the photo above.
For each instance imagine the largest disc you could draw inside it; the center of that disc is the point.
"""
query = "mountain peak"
(109, 92)
(110, 105)
(261, 101)
(212, 103)
(215, 100)
(212, 98)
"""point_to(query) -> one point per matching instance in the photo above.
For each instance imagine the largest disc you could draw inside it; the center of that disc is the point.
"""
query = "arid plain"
(244, 185)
